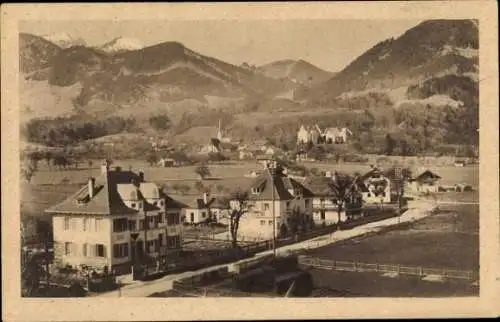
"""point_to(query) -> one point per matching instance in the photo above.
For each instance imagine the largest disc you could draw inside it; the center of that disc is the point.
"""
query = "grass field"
(449, 239)
(349, 284)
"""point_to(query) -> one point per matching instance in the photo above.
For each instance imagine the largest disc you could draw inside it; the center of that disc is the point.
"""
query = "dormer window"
(132, 205)
(255, 190)
(161, 203)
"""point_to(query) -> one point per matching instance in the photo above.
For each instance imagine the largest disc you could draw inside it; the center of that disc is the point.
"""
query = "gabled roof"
(106, 199)
(277, 185)
(427, 175)
(171, 203)
(110, 191)
(318, 185)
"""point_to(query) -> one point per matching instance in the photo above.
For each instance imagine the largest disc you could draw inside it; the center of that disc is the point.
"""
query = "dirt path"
(416, 211)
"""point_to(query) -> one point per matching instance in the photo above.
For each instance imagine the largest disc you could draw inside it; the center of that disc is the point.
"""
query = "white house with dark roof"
(273, 190)
(114, 219)
(201, 210)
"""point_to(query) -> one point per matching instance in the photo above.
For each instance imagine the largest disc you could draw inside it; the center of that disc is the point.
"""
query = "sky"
(328, 44)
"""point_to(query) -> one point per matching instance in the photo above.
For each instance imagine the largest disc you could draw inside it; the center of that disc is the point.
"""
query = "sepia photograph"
(334, 158)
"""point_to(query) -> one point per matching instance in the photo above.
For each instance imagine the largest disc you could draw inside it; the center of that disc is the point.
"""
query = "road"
(416, 211)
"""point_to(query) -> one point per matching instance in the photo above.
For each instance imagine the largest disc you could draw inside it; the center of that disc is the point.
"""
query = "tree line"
(70, 130)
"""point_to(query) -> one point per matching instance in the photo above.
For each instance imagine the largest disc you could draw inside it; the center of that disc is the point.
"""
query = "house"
(206, 209)
(167, 162)
(325, 208)
(375, 187)
(336, 135)
(307, 135)
(426, 181)
(213, 146)
(273, 191)
(115, 219)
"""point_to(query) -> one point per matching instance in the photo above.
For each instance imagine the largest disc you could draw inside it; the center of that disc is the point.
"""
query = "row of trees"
(71, 130)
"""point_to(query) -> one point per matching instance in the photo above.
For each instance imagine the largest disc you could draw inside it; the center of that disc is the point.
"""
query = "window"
(203, 214)
(66, 223)
(262, 222)
(155, 203)
(120, 225)
(132, 225)
(152, 223)
(120, 250)
(307, 201)
(140, 205)
(99, 224)
(141, 224)
(68, 248)
(132, 205)
(100, 250)
(288, 205)
(266, 206)
(74, 223)
(173, 241)
(160, 218)
(85, 250)
(86, 224)
(270, 222)
(322, 214)
(160, 239)
(161, 203)
(173, 219)
(150, 246)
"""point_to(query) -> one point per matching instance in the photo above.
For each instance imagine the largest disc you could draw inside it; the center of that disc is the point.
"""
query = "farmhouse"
(274, 191)
(115, 219)
(375, 187)
(205, 209)
(426, 181)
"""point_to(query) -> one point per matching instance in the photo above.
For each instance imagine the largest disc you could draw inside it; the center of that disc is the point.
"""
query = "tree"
(342, 188)
(61, 161)
(152, 159)
(202, 171)
(48, 157)
(219, 188)
(27, 172)
(239, 207)
(389, 144)
(160, 122)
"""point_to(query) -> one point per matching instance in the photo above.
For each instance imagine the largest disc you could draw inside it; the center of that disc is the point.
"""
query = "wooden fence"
(351, 266)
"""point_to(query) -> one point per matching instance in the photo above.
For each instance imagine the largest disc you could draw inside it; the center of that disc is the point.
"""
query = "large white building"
(315, 135)
(114, 219)
(274, 191)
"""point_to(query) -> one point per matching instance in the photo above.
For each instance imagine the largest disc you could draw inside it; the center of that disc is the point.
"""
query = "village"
(123, 223)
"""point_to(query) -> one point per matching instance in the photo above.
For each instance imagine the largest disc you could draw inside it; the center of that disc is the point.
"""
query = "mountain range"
(432, 64)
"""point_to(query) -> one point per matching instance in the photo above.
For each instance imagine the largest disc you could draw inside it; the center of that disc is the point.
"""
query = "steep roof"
(318, 185)
(427, 175)
(279, 185)
(110, 191)
(106, 199)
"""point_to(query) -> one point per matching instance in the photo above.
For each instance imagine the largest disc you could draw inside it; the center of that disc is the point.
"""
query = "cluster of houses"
(315, 135)
(120, 217)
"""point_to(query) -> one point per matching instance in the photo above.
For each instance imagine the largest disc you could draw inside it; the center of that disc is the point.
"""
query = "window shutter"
(103, 251)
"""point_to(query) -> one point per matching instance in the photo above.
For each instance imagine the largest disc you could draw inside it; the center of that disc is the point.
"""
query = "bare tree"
(342, 187)
(202, 171)
(239, 207)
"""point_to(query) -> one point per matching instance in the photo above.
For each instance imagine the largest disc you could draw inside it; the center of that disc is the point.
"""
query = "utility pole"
(272, 169)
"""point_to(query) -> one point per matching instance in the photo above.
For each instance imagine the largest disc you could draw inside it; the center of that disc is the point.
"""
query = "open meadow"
(449, 239)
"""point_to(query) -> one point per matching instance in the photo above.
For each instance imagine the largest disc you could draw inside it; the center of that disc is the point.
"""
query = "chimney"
(205, 198)
(91, 187)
